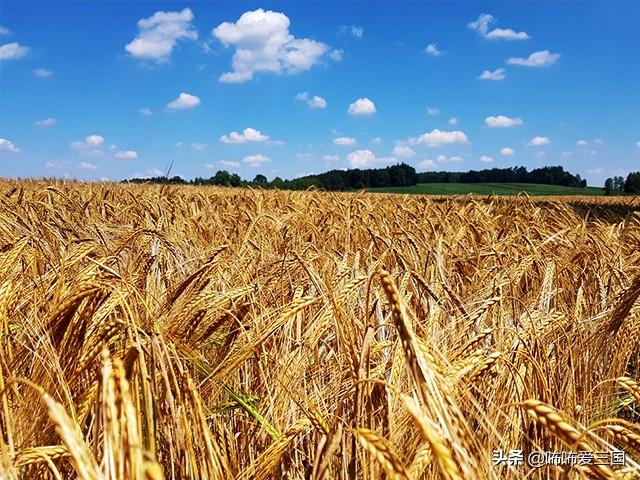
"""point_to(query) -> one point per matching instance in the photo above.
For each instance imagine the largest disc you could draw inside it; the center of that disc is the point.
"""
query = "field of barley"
(152, 332)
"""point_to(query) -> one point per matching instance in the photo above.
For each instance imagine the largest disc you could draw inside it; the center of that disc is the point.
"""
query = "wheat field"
(152, 332)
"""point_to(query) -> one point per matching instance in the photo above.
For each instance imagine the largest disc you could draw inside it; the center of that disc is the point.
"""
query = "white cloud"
(145, 111)
(432, 49)
(184, 102)
(366, 158)
(433, 111)
(199, 146)
(481, 25)
(502, 121)
(437, 138)
(344, 141)
(156, 172)
(87, 166)
(496, 75)
(248, 135)
(336, 55)
(42, 72)
(8, 146)
(376, 140)
(229, 164)
(256, 160)
(317, 102)
(427, 163)
(263, 44)
(127, 154)
(361, 158)
(638, 144)
(362, 107)
(159, 34)
(487, 159)
(178, 144)
(507, 151)
(451, 159)
(506, 34)
(593, 152)
(57, 164)
(403, 152)
(543, 58)
(453, 121)
(46, 122)
(12, 51)
(4, 31)
(90, 142)
(582, 143)
(538, 141)
(352, 30)
(314, 102)
(598, 140)
(331, 158)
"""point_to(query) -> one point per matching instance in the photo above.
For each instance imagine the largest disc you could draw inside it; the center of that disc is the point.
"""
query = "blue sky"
(95, 90)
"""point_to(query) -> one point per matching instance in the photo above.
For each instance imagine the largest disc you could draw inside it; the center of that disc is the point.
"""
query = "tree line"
(400, 175)
(618, 185)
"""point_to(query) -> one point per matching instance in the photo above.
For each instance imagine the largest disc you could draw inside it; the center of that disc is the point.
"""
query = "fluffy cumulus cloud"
(4, 31)
(582, 143)
(147, 112)
(248, 135)
(432, 49)
(451, 159)
(638, 144)
(314, 101)
(481, 25)
(438, 138)
(502, 121)
(12, 51)
(127, 154)
(453, 121)
(538, 141)
(255, 160)
(361, 158)
(487, 159)
(87, 166)
(331, 158)
(506, 151)
(344, 141)
(46, 122)
(184, 101)
(8, 146)
(543, 58)
(431, 164)
(496, 75)
(362, 107)
(159, 34)
(91, 141)
(403, 151)
(366, 159)
(42, 72)
(263, 43)
(433, 111)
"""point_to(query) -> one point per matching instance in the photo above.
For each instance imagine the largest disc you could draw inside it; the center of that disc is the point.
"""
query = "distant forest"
(401, 175)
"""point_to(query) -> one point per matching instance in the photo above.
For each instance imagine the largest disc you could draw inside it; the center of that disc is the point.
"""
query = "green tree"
(618, 185)
(608, 186)
(260, 180)
(632, 185)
